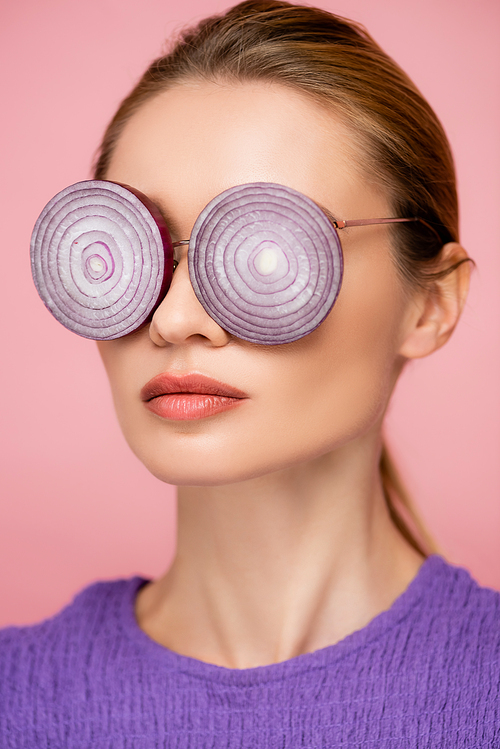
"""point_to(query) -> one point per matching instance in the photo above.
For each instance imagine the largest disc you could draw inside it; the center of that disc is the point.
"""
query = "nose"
(181, 318)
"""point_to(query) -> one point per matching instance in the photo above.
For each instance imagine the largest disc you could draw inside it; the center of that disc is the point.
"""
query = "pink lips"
(190, 396)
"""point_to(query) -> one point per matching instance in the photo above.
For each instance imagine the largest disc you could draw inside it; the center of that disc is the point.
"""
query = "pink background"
(76, 505)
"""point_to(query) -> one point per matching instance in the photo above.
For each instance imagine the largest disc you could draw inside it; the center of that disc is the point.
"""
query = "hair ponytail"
(401, 507)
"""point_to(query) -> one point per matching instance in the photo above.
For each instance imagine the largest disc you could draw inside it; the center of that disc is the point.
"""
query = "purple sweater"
(425, 673)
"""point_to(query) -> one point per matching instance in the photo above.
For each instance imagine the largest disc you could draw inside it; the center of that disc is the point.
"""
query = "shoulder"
(456, 622)
(96, 605)
(41, 657)
(449, 594)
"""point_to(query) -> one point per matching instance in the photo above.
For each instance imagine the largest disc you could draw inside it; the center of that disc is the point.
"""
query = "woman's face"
(302, 399)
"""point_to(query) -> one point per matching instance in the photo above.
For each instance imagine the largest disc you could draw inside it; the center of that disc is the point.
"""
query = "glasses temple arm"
(370, 221)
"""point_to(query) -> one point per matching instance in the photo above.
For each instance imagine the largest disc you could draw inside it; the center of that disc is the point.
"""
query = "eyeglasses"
(264, 260)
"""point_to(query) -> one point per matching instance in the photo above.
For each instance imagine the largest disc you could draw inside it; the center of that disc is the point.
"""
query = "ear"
(433, 313)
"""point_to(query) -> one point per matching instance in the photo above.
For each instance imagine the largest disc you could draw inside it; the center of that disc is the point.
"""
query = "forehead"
(195, 140)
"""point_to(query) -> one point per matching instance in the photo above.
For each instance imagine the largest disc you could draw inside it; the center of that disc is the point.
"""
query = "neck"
(280, 565)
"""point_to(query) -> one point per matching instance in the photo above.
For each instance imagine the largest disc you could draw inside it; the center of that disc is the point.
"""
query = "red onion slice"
(265, 262)
(101, 258)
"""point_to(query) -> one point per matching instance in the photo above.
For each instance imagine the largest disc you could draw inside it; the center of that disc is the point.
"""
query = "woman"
(301, 608)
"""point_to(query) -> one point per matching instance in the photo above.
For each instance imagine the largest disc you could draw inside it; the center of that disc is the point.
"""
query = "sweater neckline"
(431, 572)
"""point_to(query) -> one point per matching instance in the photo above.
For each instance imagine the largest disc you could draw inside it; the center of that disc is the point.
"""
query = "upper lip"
(167, 383)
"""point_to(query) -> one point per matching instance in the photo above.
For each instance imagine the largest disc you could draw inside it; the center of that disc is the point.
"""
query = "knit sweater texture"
(425, 673)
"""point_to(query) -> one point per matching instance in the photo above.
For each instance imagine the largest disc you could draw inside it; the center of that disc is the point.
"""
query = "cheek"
(341, 379)
(123, 362)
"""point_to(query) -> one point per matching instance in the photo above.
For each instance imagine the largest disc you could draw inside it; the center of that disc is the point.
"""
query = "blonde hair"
(337, 63)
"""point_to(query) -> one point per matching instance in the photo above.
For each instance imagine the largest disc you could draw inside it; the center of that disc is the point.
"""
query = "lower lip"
(190, 406)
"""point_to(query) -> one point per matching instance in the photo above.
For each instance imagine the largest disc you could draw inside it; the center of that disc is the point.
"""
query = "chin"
(181, 462)
(208, 472)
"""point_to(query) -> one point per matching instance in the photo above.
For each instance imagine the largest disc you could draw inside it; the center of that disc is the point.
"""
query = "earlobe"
(435, 312)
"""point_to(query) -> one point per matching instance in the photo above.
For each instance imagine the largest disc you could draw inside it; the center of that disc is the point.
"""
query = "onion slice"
(101, 258)
(265, 262)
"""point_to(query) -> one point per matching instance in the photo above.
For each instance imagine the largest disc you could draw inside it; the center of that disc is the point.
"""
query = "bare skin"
(285, 544)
